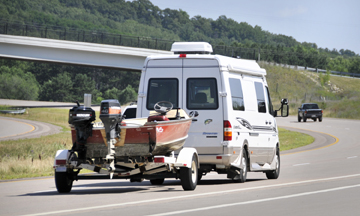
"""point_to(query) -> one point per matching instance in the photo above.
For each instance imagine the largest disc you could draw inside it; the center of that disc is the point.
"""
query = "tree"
(17, 84)
(59, 88)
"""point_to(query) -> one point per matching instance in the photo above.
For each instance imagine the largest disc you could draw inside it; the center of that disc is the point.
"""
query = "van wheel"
(189, 176)
(274, 174)
(157, 181)
(63, 182)
(241, 178)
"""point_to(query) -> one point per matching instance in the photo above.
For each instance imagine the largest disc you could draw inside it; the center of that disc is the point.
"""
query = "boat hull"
(139, 138)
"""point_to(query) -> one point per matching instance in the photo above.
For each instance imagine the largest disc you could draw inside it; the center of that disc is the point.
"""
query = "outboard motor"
(110, 115)
(81, 117)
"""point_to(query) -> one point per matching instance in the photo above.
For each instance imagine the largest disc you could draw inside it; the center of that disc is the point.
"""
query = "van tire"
(157, 181)
(189, 176)
(63, 182)
(241, 178)
(274, 174)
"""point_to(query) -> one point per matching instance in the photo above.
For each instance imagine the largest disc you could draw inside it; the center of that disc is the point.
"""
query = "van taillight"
(227, 131)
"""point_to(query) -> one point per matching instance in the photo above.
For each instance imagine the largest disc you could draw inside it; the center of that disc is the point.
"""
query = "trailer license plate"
(61, 169)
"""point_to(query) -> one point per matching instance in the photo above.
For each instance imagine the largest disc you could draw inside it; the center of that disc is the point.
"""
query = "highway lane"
(325, 181)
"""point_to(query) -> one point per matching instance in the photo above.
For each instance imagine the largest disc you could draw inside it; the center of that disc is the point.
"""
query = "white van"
(233, 130)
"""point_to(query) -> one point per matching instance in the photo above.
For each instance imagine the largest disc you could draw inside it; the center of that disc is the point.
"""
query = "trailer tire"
(63, 182)
(189, 176)
(157, 181)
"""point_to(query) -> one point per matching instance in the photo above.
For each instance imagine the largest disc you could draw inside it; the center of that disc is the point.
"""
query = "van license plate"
(61, 169)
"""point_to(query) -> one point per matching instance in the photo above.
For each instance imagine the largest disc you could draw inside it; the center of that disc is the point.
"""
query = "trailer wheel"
(320, 119)
(274, 174)
(157, 181)
(299, 118)
(189, 176)
(304, 119)
(63, 182)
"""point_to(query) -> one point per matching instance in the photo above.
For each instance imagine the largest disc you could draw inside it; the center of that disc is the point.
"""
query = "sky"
(328, 23)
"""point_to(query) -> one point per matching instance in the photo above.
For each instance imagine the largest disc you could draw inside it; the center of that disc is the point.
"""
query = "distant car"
(309, 110)
(130, 111)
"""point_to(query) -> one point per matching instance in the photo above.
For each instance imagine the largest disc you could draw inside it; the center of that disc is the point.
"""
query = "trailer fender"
(60, 160)
(185, 156)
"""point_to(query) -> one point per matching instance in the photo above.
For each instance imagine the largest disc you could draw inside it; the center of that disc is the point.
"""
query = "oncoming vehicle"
(233, 129)
(309, 110)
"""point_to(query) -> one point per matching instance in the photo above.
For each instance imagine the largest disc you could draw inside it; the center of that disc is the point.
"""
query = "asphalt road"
(323, 179)
(13, 128)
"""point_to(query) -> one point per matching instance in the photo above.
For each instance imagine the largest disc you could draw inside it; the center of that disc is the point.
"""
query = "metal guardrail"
(72, 34)
(317, 70)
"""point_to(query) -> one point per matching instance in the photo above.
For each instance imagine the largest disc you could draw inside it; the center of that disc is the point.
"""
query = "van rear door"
(163, 82)
(201, 86)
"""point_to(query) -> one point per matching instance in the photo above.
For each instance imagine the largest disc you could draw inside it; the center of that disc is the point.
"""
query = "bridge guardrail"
(62, 33)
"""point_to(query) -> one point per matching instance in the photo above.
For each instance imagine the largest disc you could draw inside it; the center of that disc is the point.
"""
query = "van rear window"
(202, 93)
(160, 89)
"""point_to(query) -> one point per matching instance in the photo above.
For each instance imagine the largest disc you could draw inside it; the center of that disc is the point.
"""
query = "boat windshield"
(161, 89)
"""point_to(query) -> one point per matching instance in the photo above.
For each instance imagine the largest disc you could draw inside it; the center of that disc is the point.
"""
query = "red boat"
(155, 135)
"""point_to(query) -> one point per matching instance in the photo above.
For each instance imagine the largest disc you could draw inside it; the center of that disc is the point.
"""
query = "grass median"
(34, 157)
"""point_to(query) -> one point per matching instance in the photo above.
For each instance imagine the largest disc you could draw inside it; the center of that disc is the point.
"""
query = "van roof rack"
(191, 48)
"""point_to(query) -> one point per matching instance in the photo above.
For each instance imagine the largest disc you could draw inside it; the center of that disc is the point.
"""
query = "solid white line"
(351, 157)
(191, 196)
(301, 164)
(256, 201)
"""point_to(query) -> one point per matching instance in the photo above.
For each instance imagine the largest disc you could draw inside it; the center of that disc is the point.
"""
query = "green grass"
(291, 139)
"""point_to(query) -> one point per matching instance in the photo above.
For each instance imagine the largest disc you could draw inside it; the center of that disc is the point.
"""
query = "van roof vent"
(191, 48)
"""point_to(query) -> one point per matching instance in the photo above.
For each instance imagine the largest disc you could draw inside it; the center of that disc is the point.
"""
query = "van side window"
(160, 89)
(270, 106)
(202, 93)
(260, 97)
(236, 94)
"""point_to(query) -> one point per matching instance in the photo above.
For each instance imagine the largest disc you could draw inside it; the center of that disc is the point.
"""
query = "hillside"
(338, 96)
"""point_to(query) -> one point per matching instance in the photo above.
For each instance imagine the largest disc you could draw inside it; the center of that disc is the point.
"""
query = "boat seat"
(157, 118)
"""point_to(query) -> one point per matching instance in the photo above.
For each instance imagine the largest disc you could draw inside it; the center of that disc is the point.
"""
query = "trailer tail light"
(182, 55)
(60, 162)
(159, 160)
(219, 157)
(227, 131)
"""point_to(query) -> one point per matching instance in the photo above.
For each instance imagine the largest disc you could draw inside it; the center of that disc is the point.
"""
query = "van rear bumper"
(223, 159)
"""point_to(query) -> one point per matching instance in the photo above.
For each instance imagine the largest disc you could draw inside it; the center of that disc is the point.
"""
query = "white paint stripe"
(301, 164)
(256, 201)
(351, 157)
(191, 196)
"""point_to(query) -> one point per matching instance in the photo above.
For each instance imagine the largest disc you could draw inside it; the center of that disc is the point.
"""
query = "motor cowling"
(81, 118)
(110, 115)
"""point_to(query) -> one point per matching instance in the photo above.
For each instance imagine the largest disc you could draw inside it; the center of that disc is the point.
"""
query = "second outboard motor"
(81, 117)
(110, 115)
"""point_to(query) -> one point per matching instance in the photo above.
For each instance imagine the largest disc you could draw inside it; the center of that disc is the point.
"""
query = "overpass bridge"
(75, 53)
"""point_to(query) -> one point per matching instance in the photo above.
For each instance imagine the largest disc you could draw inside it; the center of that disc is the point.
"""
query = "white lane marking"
(352, 157)
(191, 196)
(301, 164)
(257, 201)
